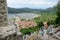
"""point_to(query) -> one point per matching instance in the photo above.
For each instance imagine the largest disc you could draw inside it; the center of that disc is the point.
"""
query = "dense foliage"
(58, 13)
(29, 30)
(44, 17)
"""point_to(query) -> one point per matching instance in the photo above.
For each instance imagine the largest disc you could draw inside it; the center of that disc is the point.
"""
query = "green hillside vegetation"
(58, 13)
(29, 10)
(44, 17)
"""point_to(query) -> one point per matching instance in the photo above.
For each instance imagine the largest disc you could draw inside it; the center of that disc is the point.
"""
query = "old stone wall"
(7, 32)
(3, 13)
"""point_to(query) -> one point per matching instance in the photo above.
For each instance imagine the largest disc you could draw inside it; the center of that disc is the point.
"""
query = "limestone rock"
(9, 30)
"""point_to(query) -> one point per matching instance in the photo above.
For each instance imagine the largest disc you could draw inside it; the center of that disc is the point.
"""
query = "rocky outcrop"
(10, 33)
(12, 37)
(37, 36)
(56, 33)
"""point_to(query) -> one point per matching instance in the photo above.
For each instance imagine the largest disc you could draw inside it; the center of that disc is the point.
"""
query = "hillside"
(29, 10)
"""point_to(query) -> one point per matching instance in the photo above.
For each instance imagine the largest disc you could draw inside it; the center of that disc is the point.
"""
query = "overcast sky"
(36, 4)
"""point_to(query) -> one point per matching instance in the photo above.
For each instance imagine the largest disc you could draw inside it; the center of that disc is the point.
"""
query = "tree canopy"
(58, 13)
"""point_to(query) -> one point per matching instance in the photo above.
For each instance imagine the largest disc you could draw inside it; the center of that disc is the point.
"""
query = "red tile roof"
(28, 24)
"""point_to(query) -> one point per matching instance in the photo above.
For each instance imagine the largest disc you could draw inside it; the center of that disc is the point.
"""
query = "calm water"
(23, 15)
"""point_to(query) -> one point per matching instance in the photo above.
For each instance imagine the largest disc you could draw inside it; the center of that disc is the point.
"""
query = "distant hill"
(29, 10)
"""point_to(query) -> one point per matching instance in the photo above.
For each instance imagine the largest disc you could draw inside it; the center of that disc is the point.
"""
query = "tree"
(58, 13)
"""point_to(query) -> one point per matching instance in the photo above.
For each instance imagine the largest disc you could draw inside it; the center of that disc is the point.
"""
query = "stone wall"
(7, 32)
(3, 13)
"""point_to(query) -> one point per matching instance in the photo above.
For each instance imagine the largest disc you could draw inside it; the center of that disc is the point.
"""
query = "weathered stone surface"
(10, 32)
(7, 32)
(13, 37)
(3, 13)
(56, 33)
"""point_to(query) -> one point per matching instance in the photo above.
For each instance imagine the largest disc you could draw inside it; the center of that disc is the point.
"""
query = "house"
(26, 24)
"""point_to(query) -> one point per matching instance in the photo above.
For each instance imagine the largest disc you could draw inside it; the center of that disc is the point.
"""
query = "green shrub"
(29, 30)
(52, 22)
(58, 13)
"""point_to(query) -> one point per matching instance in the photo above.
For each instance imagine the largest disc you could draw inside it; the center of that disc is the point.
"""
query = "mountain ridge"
(30, 10)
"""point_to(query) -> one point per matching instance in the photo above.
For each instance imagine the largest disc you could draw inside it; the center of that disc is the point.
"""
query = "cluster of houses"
(25, 23)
